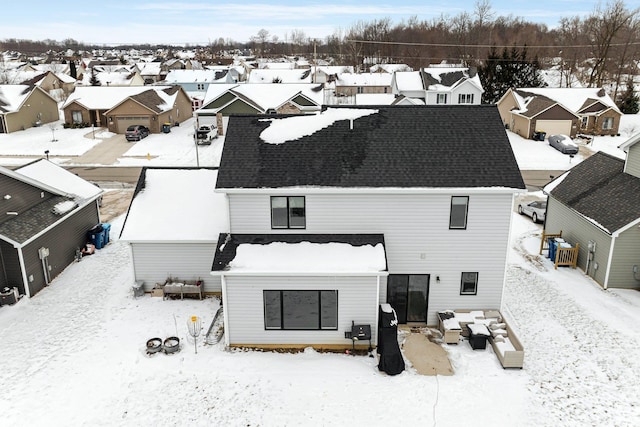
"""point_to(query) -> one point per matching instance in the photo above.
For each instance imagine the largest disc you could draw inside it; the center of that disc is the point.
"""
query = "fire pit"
(171, 345)
(154, 345)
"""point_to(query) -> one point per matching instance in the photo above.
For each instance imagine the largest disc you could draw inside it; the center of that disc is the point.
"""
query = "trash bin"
(9, 296)
(95, 236)
(166, 127)
(138, 289)
(106, 228)
(478, 334)
(539, 135)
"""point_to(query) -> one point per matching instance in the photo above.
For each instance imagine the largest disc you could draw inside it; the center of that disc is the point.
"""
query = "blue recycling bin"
(553, 247)
(106, 229)
(96, 236)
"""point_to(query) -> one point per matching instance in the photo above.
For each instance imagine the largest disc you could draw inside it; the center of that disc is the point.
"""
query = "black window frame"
(465, 98)
(289, 226)
(282, 310)
(475, 283)
(466, 213)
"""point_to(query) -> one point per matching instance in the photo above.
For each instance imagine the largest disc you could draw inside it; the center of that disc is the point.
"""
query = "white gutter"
(372, 190)
(377, 306)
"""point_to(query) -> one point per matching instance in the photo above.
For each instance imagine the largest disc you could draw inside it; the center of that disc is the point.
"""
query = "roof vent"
(601, 92)
(350, 124)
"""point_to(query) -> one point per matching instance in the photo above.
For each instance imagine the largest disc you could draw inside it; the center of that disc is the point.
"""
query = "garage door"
(124, 122)
(554, 127)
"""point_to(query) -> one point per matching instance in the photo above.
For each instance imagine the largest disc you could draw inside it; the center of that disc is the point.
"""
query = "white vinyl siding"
(244, 308)
(632, 164)
(155, 262)
(417, 236)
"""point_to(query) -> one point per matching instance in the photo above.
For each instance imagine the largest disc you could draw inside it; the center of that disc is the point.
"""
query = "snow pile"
(292, 128)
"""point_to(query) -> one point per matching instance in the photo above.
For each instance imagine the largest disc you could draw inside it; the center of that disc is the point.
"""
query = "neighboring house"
(114, 78)
(173, 224)
(597, 204)
(88, 104)
(270, 76)
(118, 107)
(196, 82)
(23, 106)
(332, 214)
(328, 73)
(350, 84)
(440, 85)
(152, 108)
(559, 111)
(224, 100)
(46, 214)
(151, 72)
(389, 68)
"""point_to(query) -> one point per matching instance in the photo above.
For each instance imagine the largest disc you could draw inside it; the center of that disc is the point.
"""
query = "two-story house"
(439, 85)
(334, 213)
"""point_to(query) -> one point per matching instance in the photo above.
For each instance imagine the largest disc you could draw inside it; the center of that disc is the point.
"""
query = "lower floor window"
(607, 123)
(301, 310)
(76, 116)
(469, 285)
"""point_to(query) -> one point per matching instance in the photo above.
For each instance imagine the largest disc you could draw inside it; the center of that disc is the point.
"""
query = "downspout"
(606, 276)
(375, 327)
(225, 312)
(27, 290)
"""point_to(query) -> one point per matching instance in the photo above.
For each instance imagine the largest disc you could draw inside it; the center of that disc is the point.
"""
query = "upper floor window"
(465, 98)
(459, 209)
(288, 212)
(607, 123)
(442, 98)
(360, 89)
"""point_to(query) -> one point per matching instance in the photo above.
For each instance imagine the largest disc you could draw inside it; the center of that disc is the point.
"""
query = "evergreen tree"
(94, 79)
(510, 69)
(629, 102)
(72, 69)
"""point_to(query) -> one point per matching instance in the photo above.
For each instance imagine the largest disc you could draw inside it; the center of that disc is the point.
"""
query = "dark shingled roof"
(229, 243)
(399, 146)
(599, 189)
(150, 99)
(536, 105)
(30, 222)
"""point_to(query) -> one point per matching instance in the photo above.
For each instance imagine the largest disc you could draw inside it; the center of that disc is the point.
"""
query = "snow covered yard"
(75, 355)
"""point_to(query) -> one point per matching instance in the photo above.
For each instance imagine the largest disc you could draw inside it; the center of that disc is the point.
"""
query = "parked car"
(535, 210)
(136, 132)
(563, 143)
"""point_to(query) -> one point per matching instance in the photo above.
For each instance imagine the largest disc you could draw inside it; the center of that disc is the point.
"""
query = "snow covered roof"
(364, 79)
(267, 96)
(353, 148)
(283, 76)
(105, 97)
(190, 76)
(177, 205)
(110, 78)
(375, 98)
(572, 98)
(45, 171)
(389, 68)
(300, 254)
(408, 81)
(12, 97)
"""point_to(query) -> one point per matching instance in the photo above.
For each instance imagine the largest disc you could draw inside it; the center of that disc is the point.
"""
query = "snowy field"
(74, 355)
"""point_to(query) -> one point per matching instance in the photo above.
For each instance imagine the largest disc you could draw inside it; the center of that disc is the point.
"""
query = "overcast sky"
(200, 22)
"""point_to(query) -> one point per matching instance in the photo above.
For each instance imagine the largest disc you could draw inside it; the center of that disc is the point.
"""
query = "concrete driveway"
(105, 153)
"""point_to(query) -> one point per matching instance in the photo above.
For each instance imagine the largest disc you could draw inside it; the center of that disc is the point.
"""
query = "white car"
(535, 210)
(563, 143)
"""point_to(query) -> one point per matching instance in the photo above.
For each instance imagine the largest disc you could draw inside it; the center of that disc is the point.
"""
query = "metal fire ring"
(171, 345)
(154, 345)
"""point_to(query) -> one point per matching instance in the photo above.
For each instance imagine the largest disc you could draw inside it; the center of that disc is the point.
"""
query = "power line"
(485, 45)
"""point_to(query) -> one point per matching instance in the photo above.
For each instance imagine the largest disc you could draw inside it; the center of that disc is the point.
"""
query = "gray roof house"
(332, 214)
(597, 204)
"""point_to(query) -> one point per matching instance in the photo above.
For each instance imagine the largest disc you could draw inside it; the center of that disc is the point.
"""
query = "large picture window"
(469, 284)
(301, 310)
(459, 209)
(607, 123)
(288, 212)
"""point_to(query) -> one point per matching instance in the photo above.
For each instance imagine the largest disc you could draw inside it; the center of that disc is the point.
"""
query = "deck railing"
(567, 256)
